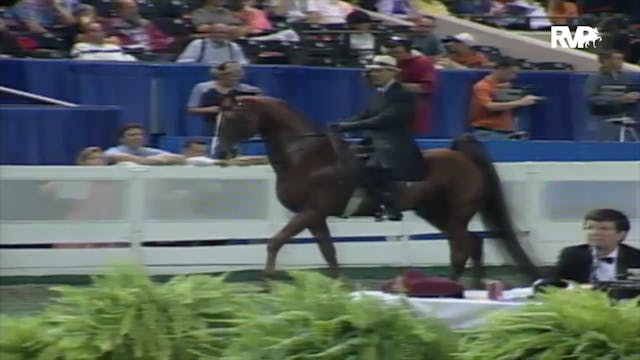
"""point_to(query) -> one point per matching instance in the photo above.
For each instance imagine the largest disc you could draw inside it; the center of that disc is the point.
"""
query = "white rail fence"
(135, 205)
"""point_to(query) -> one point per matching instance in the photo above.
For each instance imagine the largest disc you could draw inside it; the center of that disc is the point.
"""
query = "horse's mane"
(277, 110)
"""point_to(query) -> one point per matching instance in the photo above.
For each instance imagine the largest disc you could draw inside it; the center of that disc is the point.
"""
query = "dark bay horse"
(313, 181)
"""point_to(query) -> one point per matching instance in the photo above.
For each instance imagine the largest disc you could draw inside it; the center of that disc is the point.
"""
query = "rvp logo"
(584, 37)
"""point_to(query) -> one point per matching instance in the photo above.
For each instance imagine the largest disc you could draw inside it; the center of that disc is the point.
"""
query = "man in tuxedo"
(604, 257)
(387, 123)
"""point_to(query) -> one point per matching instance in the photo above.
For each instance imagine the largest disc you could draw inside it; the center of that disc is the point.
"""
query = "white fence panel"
(137, 205)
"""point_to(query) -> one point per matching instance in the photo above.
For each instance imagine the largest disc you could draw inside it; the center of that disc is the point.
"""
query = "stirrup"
(393, 215)
(379, 215)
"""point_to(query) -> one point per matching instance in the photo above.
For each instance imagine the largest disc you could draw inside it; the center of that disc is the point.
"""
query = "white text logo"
(585, 36)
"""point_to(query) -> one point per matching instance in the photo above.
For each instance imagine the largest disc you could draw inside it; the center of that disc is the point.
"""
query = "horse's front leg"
(325, 243)
(298, 222)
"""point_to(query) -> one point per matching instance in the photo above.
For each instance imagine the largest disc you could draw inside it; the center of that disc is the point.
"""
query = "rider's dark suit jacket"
(387, 122)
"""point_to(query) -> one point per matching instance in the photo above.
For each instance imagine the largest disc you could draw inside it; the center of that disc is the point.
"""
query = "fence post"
(136, 207)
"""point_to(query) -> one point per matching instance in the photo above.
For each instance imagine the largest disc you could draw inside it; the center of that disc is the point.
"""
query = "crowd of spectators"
(324, 32)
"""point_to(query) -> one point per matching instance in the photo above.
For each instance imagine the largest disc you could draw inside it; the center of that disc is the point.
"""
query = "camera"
(512, 94)
(608, 102)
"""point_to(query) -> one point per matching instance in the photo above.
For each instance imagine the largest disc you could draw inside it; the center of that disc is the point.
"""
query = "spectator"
(418, 75)
(492, 119)
(619, 34)
(562, 12)
(8, 43)
(96, 47)
(475, 7)
(132, 139)
(88, 200)
(41, 16)
(328, 11)
(134, 31)
(91, 156)
(519, 14)
(254, 19)
(214, 50)
(605, 230)
(461, 52)
(423, 38)
(207, 97)
(212, 12)
(432, 7)
(603, 106)
(195, 152)
(361, 40)
(85, 15)
(397, 8)
(292, 10)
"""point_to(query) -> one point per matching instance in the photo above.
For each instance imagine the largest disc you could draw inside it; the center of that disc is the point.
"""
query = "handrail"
(33, 96)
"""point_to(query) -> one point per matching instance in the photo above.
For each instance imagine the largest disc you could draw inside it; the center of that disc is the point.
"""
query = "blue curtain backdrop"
(54, 135)
(156, 94)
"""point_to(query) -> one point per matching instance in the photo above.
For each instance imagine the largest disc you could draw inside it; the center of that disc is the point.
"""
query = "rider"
(387, 122)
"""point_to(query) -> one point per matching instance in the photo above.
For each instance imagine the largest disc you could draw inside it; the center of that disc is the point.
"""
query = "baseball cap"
(382, 62)
(464, 38)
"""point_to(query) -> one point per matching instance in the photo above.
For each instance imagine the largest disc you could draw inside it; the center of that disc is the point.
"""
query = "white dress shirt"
(605, 271)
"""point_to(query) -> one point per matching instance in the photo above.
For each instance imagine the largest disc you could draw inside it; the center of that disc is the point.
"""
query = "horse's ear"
(229, 102)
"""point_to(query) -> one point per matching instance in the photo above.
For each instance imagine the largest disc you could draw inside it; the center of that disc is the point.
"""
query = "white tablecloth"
(457, 313)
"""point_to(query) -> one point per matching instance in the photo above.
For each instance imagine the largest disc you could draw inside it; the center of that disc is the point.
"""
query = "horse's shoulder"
(262, 99)
(438, 153)
(443, 154)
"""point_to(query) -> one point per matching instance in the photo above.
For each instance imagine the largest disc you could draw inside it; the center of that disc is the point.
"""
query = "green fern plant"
(316, 318)
(22, 338)
(125, 315)
(579, 324)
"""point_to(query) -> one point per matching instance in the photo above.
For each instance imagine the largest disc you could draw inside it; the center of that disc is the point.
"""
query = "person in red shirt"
(418, 75)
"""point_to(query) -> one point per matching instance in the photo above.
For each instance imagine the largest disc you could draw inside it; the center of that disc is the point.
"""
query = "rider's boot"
(381, 188)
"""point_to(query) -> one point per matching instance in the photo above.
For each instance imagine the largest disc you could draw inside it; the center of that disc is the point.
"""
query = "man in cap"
(461, 52)
(387, 122)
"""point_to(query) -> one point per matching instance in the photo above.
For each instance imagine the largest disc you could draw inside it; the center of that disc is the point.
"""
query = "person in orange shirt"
(461, 52)
(490, 119)
(562, 12)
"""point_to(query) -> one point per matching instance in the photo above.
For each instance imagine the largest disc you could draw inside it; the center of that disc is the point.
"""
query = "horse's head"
(245, 116)
(238, 121)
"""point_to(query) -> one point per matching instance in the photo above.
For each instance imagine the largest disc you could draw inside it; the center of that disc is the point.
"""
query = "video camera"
(615, 91)
(512, 94)
(608, 101)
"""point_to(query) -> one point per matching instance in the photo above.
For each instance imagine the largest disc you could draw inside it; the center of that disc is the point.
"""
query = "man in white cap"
(461, 52)
(387, 122)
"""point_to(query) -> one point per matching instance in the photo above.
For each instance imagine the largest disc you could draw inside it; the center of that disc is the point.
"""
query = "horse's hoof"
(266, 287)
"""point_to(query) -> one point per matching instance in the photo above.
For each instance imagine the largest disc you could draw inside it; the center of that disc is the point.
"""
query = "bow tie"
(608, 260)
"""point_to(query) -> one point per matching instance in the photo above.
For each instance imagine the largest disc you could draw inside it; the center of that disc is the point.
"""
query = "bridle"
(292, 140)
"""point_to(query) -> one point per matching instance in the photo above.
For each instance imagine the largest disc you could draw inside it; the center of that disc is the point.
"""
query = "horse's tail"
(493, 211)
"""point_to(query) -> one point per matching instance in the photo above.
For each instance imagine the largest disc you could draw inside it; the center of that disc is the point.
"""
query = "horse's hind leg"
(461, 242)
(460, 248)
(477, 259)
(325, 243)
(296, 224)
